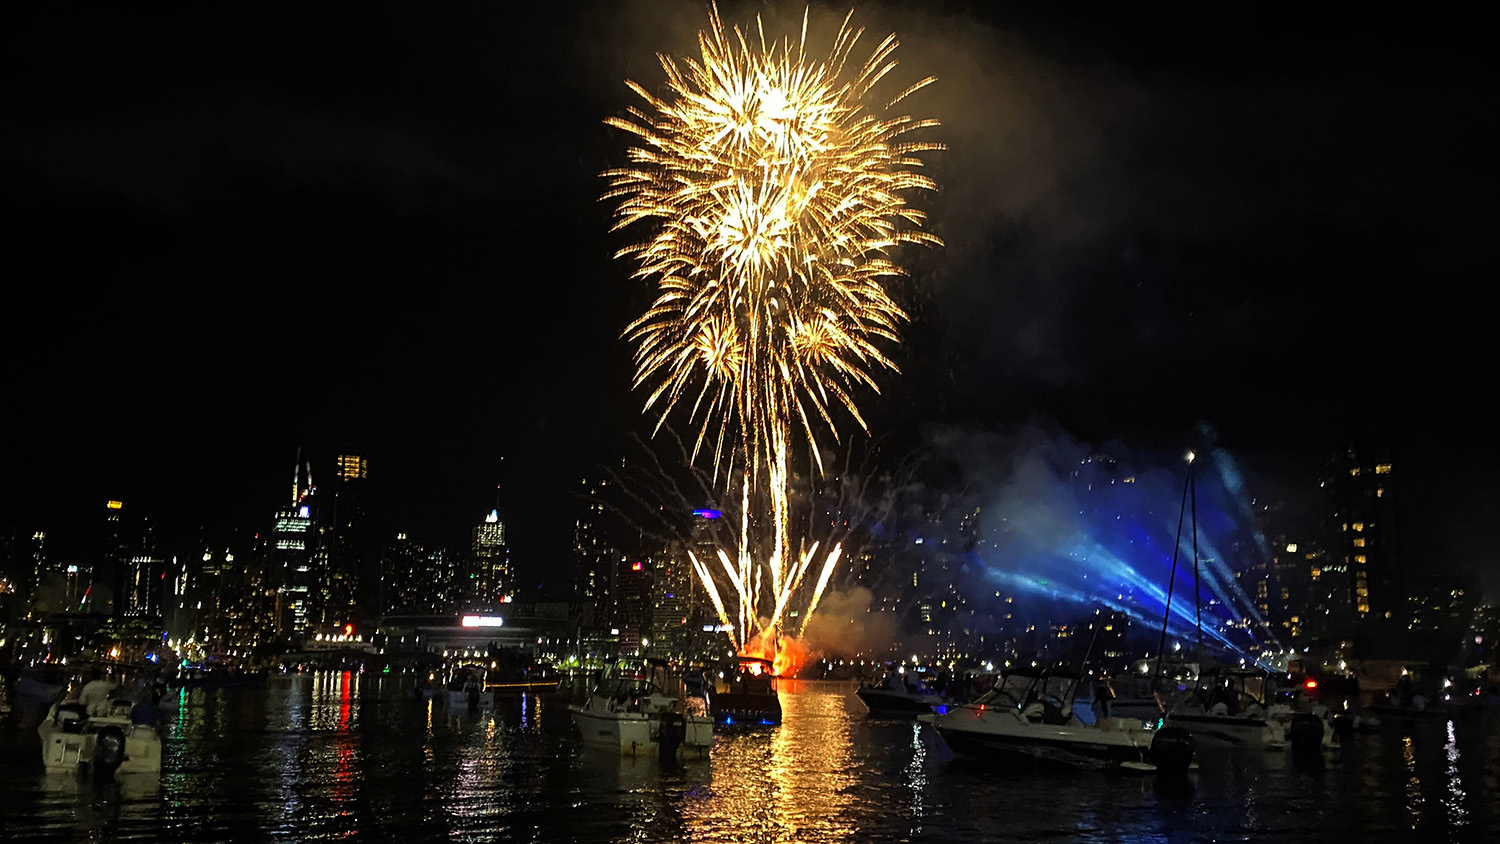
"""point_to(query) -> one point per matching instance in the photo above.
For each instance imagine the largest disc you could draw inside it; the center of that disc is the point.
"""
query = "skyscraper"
(290, 557)
(489, 564)
(341, 549)
(1362, 555)
(415, 579)
(593, 556)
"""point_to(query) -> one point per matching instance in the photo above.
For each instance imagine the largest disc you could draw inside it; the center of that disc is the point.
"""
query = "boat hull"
(638, 733)
(1246, 730)
(463, 698)
(1001, 734)
(68, 750)
(891, 703)
(746, 709)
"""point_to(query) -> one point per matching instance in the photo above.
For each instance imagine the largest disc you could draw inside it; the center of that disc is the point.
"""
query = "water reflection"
(345, 755)
(1454, 801)
(1414, 798)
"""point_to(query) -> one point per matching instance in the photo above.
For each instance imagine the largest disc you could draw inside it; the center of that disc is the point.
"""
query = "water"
(334, 757)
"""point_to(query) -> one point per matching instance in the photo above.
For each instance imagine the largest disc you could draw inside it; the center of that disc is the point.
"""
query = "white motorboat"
(103, 745)
(1029, 714)
(639, 705)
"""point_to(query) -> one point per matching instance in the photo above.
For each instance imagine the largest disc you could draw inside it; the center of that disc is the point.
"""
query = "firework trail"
(774, 189)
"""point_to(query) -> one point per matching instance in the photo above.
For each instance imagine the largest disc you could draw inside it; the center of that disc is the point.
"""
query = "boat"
(1302, 729)
(1029, 715)
(103, 745)
(217, 676)
(466, 687)
(44, 682)
(639, 705)
(897, 697)
(538, 677)
(749, 698)
(1229, 704)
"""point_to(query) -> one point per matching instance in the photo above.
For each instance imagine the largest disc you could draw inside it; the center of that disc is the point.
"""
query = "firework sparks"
(774, 188)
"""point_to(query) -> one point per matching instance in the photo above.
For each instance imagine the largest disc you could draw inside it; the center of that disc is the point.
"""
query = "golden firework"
(774, 189)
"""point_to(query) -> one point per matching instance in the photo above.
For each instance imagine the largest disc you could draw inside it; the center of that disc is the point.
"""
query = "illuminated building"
(593, 556)
(632, 607)
(1362, 563)
(491, 580)
(671, 604)
(415, 578)
(132, 568)
(290, 559)
(341, 553)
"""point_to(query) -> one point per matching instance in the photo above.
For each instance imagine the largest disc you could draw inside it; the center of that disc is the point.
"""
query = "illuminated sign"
(115, 505)
(635, 566)
(482, 621)
(708, 514)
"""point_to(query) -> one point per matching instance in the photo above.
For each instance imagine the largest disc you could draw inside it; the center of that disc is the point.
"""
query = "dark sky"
(237, 231)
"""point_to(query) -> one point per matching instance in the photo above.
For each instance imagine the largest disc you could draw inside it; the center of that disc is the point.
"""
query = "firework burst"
(774, 187)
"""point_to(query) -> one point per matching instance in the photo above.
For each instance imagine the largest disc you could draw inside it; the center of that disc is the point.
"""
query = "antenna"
(297, 477)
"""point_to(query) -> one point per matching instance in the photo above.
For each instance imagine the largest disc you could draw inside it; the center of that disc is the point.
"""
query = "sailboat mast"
(1197, 584)
(1172, 579)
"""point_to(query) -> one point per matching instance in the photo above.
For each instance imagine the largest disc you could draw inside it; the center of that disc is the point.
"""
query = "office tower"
(632, 606)
(1362, 554)
(291, 560)
(341, 550)
(593, 555)
(415, 579)
(492, 581)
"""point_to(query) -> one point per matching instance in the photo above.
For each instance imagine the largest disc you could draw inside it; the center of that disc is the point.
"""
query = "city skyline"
(249, 237)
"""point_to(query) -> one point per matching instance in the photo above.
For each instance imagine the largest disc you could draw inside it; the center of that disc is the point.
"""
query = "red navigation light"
(1311, 683)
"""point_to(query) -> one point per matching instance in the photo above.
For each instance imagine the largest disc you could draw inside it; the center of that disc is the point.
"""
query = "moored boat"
(43, 683)
(895, 697)
(1029, 714)
(640, 706)
(749, 698)
(1229, 704)
(466, 687)
(103, 744)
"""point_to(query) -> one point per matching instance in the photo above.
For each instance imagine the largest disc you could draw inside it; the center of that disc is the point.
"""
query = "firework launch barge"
(749, 698)
(640, 707)
(1029, 715)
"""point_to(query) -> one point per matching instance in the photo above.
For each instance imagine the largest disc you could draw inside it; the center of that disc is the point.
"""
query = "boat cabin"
(1042, 695)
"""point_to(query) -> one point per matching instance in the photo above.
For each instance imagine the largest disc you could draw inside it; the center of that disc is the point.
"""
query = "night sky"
(240, 231)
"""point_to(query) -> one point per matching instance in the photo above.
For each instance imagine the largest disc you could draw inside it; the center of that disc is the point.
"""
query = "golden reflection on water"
(783, 783)
(1413, 782)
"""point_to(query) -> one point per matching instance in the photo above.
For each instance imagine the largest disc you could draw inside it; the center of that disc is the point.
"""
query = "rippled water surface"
(346, 757)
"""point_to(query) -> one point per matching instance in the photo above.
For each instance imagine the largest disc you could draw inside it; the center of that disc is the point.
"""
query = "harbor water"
(350, 757)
